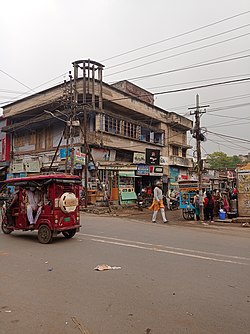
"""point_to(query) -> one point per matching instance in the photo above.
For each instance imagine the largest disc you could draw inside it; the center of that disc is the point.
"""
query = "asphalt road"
(173, 279)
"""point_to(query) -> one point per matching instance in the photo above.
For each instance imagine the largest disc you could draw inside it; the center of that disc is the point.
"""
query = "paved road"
(173, 279)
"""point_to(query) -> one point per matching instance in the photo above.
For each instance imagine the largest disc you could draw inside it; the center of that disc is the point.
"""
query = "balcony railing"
(180, 161)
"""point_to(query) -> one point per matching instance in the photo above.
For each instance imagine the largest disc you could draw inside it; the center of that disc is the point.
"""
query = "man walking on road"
(158, 203)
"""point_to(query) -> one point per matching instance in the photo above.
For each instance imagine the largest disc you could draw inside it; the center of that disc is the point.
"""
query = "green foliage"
(219, 160)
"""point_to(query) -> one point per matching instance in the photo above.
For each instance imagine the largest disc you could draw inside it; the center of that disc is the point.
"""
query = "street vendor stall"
(187, 190)
(126, 184)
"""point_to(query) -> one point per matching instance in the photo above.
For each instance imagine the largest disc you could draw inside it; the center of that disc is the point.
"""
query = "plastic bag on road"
(102, 267)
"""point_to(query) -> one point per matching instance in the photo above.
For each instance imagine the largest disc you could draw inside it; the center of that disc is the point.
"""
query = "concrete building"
(123, 128)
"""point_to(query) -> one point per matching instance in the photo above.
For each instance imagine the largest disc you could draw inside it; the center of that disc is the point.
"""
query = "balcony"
(180, 161)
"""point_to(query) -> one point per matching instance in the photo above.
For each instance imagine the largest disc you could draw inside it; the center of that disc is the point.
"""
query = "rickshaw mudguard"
(44, 221)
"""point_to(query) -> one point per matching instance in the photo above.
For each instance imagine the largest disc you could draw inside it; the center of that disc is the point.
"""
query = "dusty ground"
(174, 217)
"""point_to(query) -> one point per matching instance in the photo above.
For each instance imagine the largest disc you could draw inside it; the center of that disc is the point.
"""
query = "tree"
(218, 160)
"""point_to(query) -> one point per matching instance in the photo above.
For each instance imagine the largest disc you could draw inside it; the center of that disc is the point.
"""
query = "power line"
(231, 147)
(233, 117)
(229, 107)
(186, 89)
(176, 36)
(237, 138)
(24, 93)
(225, 124)
(178, 54)
(177, 47)
(10, 91)
(10, 76)
(235, 97)
(187, 68)
(195, 81)
(218, 125)
(204, 86)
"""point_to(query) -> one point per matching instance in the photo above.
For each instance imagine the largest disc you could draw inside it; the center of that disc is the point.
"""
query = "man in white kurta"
(34, 205)
(158, 203)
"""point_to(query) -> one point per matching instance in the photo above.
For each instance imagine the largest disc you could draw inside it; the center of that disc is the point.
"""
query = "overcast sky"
(40, 39)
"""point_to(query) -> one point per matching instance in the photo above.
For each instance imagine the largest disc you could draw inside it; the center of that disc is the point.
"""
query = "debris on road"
(81, 328)
(189, 313)
(102, 267)
(50, 269)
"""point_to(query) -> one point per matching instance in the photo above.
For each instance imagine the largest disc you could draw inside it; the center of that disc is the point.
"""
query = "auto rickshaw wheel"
(69, 233)
(45, 234)
(188, 214)
(5, 228)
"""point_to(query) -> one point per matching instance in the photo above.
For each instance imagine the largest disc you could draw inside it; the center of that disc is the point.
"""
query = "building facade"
(116, 131)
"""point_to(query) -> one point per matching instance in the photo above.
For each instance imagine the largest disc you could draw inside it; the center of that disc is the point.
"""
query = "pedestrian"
(158, 203)
(209, 207)
(197, 205)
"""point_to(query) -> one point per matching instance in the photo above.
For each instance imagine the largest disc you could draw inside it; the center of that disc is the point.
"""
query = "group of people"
(208, 201)
(208, 204)
(213, 202)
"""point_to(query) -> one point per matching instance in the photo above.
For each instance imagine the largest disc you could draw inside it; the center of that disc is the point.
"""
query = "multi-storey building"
(119, 122)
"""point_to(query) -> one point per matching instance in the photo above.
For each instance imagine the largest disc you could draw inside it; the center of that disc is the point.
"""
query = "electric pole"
(199, 136)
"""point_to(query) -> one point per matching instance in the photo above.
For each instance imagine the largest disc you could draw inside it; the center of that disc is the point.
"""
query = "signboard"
(32, 166)
(117, 167)
(243, 180)
(63, 153)
(79, 158)
(163, 161)
(152, 157)
(139, 158)
(17, 168)
(142, 170)
(101, 154)
(174, 174)
(155, 171)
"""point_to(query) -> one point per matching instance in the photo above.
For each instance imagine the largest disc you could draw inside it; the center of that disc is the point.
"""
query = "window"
(175, 150)
(19, 141)
(32, 138)
(128, 129)
(184, 153)
(116, 126)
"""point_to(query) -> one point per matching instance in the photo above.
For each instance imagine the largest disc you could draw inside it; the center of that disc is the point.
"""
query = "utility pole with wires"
(199, 136)
(88, 88)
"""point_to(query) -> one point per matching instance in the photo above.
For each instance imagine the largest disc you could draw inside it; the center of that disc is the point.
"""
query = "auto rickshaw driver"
(10, 204)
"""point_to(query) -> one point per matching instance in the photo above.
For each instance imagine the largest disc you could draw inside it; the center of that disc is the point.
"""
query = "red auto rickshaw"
(59, 208)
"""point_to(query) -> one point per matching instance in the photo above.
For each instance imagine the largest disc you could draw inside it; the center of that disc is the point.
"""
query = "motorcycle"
(140, 203)
(143, 201)
(174, 204)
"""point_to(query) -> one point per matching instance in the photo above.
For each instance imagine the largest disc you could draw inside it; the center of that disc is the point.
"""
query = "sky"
(160, 45)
